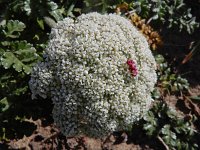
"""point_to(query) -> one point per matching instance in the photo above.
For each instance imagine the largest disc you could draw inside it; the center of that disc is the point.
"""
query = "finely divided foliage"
(86, 74)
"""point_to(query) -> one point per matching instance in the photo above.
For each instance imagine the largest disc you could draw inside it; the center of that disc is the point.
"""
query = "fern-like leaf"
(21, 56)
(13, 28)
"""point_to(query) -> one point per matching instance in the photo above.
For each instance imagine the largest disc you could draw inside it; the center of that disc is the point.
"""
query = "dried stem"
(163, 143)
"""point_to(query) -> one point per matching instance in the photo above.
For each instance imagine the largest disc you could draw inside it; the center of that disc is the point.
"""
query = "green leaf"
(22, 56)
(150, 129)
(4, 105)
(9, 59)
(70, 9)
(40, 23)
(27, 69)
(7, 62)
(27, 7)
(54, 11)
(172, 77)
(20, 91)
(56, 14)
(159, 58)
(52, 5)
(156, 93)
(168, 136)
(13, 28)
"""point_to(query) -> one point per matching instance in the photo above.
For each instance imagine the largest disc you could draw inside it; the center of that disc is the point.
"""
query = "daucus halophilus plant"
(99, 73)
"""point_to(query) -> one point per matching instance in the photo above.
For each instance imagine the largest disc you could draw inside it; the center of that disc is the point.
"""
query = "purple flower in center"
(132, 67)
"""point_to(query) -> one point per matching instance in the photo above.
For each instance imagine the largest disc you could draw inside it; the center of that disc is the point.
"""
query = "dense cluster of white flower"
(99, 73)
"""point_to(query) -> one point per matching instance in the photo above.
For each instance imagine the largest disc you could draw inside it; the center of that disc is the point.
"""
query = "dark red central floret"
(132, 67)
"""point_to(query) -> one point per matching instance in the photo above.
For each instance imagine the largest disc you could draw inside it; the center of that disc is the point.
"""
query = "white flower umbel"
(99, 72)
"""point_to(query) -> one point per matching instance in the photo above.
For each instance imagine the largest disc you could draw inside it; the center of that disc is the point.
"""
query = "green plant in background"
(39, 16)
(162, 123)
(173, 14)
(167, 79)
(38, 9)
(16, 59)
(19, 55)
(100, 5)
